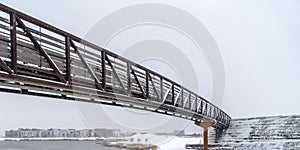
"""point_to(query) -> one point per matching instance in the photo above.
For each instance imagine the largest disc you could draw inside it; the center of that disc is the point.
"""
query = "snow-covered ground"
(259, 133)
(178, 143)
(164, 142)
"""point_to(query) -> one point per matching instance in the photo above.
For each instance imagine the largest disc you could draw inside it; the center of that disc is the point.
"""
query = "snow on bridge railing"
(44, 56)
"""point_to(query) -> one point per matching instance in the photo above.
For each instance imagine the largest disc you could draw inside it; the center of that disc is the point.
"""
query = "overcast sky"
(258, 41)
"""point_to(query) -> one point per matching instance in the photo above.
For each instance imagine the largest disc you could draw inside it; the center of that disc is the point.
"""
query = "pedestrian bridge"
(41, 60)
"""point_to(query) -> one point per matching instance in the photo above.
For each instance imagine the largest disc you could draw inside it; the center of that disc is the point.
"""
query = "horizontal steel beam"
(20, 63)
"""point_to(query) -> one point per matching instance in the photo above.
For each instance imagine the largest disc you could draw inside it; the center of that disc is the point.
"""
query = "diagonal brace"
(194, 103)
(185, 101)
(114, 71)
(42, 51)
(199, 105)
(177, 96)
(86, 65)
(138, 82)
(4, 66)
(166, 95)
(153, 85)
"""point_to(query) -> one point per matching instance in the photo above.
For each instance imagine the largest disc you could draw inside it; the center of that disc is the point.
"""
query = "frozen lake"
(52, 145)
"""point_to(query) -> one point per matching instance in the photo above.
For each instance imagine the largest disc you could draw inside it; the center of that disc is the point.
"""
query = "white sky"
(258, 40)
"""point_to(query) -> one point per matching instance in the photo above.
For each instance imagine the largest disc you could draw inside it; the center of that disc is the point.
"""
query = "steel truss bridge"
(42, 60)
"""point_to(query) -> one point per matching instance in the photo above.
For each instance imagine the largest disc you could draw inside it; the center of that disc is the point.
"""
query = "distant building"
(57, 133)
(32, 133)
(85, 133)
(25, 133)
(42, 133)
(12, 134)
(22, 133)
(73, 133)
(49, 133)
(107, 132)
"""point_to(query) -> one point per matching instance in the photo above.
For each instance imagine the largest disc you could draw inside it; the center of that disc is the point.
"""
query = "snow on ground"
(164, 142)
(178, 143)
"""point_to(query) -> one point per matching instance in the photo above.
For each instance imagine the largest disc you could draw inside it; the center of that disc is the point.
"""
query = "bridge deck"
(39, 59)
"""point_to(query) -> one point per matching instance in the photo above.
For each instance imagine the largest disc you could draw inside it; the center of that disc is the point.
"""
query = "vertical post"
(195, 104)
(128, 78)
(161, 89)
(13, 39)
(190, 101)
(147, 83)
(182, 96)
(103, 69)
(222, 116)
(68, 59)
(218, 115)
(173, 94)
(205, 138)
(215, 113)
(201, 106)
(205, 126)
(206, 111)
(211, 111)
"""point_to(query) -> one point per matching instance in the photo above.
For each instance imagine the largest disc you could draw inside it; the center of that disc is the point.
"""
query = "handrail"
(136, 76)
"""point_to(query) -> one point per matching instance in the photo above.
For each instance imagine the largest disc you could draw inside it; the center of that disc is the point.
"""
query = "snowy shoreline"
(137, 140)
(151, 141)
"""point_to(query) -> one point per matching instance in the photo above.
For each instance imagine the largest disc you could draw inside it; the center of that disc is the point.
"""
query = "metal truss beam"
(59, 46)
(40, 49)
(138, 82)
(98, 85)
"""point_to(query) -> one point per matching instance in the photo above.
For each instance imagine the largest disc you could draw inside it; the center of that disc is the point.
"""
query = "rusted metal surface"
(13, 43)
(139, 84)
(40, 49)
(205, 126)
(4, 66)
(114, 72)
(36, 55)
(68, 59)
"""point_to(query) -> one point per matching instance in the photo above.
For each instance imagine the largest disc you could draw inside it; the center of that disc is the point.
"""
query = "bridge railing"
(43, 56)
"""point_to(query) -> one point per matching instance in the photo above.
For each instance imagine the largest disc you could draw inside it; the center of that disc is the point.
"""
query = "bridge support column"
(205, 126)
